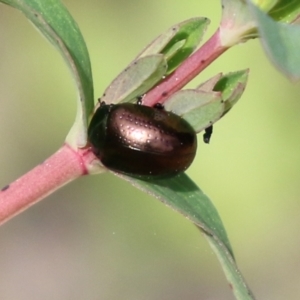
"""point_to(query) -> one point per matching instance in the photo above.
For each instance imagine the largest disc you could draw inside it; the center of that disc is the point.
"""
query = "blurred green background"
(98, 237)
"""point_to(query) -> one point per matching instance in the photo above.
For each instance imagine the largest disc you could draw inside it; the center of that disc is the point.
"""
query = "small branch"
(62, 167)
(189, 69)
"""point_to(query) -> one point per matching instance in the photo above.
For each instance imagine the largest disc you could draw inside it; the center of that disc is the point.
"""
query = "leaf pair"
(160, 58)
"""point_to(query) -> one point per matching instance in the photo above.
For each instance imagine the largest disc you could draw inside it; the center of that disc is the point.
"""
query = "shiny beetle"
(141, 141)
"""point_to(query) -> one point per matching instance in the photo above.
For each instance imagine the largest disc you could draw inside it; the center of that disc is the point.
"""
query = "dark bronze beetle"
(141, 141)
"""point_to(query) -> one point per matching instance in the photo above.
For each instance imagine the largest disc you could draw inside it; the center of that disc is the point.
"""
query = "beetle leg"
(207, 134)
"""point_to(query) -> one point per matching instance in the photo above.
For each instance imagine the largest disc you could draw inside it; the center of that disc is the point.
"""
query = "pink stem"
(62, 167)
(189, 69)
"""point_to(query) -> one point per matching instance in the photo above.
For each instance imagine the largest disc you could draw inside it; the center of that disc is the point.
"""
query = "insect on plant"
(141, 140)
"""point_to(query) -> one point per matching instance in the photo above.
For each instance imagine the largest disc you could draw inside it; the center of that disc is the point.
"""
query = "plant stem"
(62, 167)
(189, 69)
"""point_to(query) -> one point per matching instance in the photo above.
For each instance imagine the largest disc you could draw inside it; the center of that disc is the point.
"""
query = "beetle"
(141, 141)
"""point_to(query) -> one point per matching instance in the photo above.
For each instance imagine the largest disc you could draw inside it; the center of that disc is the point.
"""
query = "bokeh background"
(98, 237)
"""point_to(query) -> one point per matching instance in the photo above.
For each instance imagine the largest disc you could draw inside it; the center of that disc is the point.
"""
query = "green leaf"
(190, 32)
(281, 43)
(285, 11)
(236, 281)
(156, 46)
(173, 50)
(182, 194)
(53, 20)
(232, 86)
(136, 79)
(209, 85)
(201, 109)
